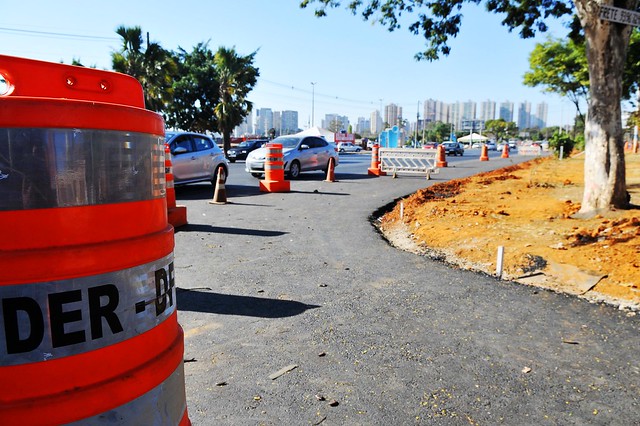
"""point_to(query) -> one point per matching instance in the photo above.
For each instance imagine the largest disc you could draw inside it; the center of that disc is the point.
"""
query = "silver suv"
(300, 154)
(195, 158)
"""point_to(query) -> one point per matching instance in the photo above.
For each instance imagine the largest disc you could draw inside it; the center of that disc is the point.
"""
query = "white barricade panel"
(406, 160)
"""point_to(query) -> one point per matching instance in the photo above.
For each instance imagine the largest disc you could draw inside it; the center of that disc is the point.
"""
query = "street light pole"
(415, 144)
(313, 103)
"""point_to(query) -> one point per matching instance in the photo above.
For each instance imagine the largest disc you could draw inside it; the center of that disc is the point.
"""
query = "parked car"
(195, 158)
(348, 147)
(513, 144)
(453, 148)
(300, 154)
(476, 145)
(491, 146)
(243, 149)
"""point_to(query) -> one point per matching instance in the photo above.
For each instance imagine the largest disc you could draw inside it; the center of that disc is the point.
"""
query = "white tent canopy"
(317, 131)
(473, 137)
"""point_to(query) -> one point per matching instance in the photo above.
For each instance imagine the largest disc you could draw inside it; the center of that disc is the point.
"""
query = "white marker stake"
(499, 261)
(401, 210)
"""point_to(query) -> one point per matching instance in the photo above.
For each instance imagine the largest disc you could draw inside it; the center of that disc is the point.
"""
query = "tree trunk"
(226, 141)
(604, 165)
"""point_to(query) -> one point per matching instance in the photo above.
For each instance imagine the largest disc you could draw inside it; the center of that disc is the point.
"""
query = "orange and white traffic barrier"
(375, 170)
(331, 177)
(220, 193)
(274, 180)
(484, 153)
(441, 160)
(505, 151)
(177, 215)
(87, 290)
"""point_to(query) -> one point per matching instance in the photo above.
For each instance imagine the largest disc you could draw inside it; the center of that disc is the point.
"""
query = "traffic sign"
(622, 16)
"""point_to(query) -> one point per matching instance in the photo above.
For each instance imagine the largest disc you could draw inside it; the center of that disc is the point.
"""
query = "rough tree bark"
(604, 165)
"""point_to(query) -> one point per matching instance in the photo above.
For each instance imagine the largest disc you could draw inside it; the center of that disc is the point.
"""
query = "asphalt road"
(378, 336)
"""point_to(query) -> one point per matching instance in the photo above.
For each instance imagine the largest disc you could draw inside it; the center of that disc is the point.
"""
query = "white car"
(300, 154)
(195, 158)
(348, 147)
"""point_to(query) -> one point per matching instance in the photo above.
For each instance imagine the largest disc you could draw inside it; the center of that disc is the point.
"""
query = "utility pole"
(313, 103)
(415, 144)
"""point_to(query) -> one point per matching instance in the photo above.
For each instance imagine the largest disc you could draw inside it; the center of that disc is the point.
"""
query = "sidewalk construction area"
(296, 311)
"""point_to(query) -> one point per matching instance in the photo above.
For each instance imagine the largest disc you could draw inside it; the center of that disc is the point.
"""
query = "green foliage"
(563, 140)
(153, 66)
(500, 129)
(236, 77)
(196, 91)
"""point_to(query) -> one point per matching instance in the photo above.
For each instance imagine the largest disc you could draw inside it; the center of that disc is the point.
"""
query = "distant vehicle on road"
(430, 145)
(348, 147)
(195, 158)
(491, 146)
(300, 154)
(453, 148)
(241, 151)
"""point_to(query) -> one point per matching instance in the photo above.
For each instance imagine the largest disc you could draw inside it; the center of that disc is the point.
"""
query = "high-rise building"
(375, 122)
(244, 128)
(436, 111)
(393, 115)
(289, 122)
(506, 111)
(487, 110)
(335, 122)
(540, 119)
(363, 125)
(524, 116)
(263, 121)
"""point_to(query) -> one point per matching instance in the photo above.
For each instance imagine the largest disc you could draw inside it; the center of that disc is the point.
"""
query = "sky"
(338, 64)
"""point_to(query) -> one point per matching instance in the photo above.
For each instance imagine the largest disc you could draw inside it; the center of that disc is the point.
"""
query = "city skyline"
(464, 116)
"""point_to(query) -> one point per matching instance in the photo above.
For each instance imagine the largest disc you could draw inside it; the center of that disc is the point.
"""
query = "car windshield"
(287, 142)
(245, 144)
(448, 144)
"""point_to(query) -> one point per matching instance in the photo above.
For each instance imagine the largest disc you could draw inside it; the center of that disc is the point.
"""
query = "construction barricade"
(87, 293)
(408, 160)
(274, 170)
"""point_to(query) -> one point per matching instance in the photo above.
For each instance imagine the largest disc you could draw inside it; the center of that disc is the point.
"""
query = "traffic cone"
(505, 151)
(220, 193)
(176, 215)
(375, 170)
(330, 171)
(484, 153)
(441, 161)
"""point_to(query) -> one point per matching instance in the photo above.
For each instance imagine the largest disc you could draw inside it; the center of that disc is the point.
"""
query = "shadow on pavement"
(227, 304)
(190, 227)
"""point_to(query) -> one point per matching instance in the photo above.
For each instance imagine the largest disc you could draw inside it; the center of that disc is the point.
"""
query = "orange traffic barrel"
(374, 169)
(274, 180)
(441, 160)
(87, 295)
(484, 153)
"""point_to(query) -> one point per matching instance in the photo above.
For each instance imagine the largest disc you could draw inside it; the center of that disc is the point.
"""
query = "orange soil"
(528, 209)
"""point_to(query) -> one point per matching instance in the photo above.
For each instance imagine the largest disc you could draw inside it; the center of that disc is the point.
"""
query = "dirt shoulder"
(528, 210)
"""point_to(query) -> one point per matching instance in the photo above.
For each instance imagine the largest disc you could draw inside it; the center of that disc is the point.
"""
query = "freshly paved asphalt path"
(378, 336)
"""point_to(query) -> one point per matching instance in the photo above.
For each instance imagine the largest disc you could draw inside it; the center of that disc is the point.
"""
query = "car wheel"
(294, 170)
(341, 150)
(358, 150)
(256, 175)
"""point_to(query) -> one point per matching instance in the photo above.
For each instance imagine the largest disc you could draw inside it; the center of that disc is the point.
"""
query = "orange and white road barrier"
(87, 290)
(177, 215)
(484, 153)
(331, 177)
(505, 151)
(220, 193)
(441, 160)
(274, 180)
(375, 170)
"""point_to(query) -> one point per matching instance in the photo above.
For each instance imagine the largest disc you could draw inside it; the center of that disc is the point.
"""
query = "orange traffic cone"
(484, 153)
(330, 171)
(441, 161)
(505, 151)
(176, 215)
(220, 193)
(375, 170)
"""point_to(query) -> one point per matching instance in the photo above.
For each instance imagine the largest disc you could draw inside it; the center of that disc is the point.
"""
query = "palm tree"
(153, 66)
(236, 78)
